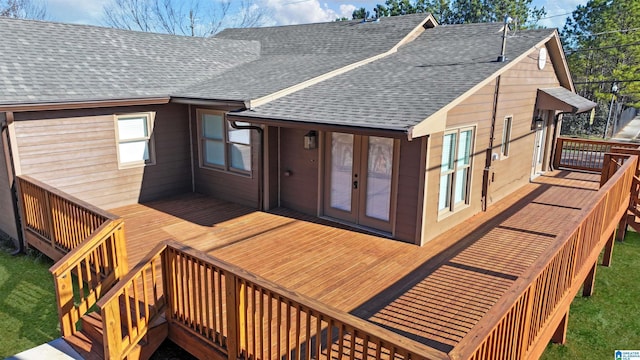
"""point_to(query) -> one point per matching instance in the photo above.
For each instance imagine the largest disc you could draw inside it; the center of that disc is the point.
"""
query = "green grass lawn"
(607, 321)
(28, 311)
(610, 319)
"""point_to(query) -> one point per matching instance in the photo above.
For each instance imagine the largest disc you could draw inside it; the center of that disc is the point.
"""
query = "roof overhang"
(559, 98)
(437, 121)
(46, 106)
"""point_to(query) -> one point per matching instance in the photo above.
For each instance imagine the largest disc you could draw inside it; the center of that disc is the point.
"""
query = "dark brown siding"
(75, 151)
(410, 192)
(517, 97)
(299, 191)
(7, 218)
(230, 186)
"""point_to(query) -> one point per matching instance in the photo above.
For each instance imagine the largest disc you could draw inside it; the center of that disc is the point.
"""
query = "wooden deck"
(433, 294)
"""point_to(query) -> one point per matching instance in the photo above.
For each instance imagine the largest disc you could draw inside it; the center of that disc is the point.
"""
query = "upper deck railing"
(583, 154)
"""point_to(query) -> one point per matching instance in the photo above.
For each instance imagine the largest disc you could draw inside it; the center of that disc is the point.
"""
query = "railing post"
(64, 292)
(112, 334)
(234, 328)
(557, 155)
(123, 262)
(48, 213)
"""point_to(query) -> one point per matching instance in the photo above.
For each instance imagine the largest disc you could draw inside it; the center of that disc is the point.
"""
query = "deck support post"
(590, 281)
(608, 250)
(622, 227)
(560, 335)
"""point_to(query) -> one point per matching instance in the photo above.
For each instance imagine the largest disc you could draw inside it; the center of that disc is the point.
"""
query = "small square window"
(506, 137)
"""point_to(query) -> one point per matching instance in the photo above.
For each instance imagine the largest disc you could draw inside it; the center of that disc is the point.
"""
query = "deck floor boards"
(434, 294)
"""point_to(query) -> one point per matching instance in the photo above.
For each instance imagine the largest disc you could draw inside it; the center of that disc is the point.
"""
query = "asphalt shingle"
(401, 90)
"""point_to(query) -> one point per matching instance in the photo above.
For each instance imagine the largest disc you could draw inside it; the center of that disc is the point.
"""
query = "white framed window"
(223, 147)
(506, 137)
(134, 137)
(455, 169)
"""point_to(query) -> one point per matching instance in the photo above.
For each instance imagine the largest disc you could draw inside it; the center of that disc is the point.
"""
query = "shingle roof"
(401, 90)
(54, 62)
(296, 53)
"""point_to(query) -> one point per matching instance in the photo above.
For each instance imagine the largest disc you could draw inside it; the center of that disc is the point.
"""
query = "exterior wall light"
(311, 140)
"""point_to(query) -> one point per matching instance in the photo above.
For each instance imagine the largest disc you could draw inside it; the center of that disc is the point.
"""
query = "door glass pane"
(214, 152)
(460, 193)
(341, 171)
(213, 126)
(448, 152)
(380, 165)
(134, 151)
(464, 148)
(132, 128)
(540, 149)
(445, 191)
(240, 156)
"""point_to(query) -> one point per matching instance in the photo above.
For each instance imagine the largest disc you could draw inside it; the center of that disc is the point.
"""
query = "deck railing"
(583, 154)
(522, 322)
(87, 243)
(132, 306)
(219, 310)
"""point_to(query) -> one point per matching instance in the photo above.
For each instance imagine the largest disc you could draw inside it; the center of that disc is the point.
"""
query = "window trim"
(454, 207)
(227, 168)
(150, 138)
(507, 132)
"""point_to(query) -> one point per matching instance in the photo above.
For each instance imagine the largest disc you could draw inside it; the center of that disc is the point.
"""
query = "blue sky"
(283, 12)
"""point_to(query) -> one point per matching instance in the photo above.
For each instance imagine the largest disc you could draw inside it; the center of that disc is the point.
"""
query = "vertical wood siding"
(300, 190)
(7, 216)
(410, 194)
(75, 151)
(517, 97)
(238, 188)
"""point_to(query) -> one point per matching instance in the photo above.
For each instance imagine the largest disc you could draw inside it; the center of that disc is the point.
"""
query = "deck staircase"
(89, 341)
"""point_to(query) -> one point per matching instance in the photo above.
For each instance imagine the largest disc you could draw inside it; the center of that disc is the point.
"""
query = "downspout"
(14, 194)
(260, 160)
(556, 119)
(489, 154)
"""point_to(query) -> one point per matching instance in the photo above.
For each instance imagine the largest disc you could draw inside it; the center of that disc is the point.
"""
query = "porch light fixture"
(311, 140)
(539, 122)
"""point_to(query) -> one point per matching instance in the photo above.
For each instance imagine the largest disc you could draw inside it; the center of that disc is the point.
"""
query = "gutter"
(83, 104)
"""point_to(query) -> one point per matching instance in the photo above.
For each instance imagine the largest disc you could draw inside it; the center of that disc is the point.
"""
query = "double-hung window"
(455, 169)
(223, 147)
(135, 140)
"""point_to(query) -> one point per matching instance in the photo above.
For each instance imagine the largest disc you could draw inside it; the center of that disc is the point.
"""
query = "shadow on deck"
(433, 294)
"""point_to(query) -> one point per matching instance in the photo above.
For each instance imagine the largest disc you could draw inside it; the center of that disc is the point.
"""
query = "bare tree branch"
(195, 18)
(23, 9)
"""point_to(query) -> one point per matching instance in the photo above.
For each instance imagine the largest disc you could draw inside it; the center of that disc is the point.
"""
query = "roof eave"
(69, 105)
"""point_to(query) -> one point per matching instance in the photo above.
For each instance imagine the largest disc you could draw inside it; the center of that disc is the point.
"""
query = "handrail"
(136, 301)
(244, 290)
(515, 322)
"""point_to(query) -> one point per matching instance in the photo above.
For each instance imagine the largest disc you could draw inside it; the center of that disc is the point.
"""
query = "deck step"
(88, 342)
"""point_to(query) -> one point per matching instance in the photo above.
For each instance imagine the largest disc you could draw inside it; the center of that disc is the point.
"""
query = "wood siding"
(299, 191)
(7, 215)
(516, 98)
(410, 192)
(226, 185)
(75, 151)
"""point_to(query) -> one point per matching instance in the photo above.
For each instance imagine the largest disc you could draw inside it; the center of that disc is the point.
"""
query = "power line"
(604, 47)
(604, 81)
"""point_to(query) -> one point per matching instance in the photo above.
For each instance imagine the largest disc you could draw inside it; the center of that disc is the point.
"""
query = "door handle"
(355, 184)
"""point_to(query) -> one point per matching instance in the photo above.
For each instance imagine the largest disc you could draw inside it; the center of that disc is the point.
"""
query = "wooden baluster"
(235, 318)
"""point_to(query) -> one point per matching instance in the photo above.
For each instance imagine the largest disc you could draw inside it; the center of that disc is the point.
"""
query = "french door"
(359, 179)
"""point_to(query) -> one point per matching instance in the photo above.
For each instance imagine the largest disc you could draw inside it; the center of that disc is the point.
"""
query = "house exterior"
(399, 126)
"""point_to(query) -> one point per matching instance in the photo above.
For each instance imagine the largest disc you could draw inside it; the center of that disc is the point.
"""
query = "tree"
(465, 11)
(23, 9)
(197, 18)
(602, 43)
(361, 13)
